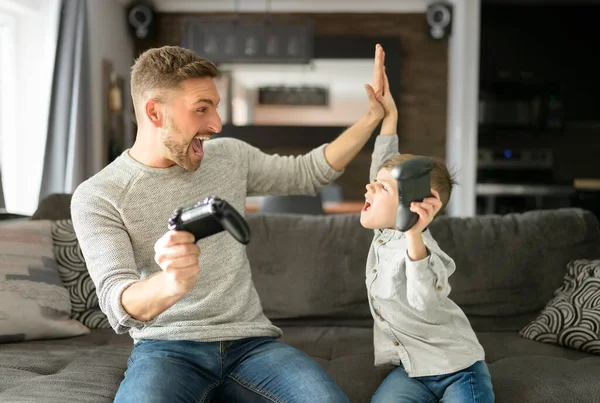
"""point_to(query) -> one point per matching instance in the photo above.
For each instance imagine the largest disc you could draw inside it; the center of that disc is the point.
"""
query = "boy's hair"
(442, 180)
(160, 69)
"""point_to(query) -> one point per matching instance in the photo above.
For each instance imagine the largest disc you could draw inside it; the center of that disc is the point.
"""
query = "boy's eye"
(202, 110)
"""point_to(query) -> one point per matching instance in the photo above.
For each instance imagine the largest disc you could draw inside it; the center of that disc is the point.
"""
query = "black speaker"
(439, 20)
(141, 20)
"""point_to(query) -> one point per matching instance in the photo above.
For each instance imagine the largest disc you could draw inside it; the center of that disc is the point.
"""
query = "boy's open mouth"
(367, 206)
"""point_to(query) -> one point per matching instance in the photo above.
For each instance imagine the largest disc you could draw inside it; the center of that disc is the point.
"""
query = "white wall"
(108, 38)
(337, 113)
(343, 79)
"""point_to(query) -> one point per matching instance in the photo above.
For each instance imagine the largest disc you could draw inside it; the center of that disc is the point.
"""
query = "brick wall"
(423, 74)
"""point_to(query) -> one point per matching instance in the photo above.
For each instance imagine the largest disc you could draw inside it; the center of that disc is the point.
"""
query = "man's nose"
(215, 125)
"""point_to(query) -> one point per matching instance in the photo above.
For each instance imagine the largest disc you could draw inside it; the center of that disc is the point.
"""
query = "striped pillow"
(572, 317)
(34, 303)
(74, 274)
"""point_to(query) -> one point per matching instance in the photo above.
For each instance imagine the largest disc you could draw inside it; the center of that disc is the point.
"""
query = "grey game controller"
(209, 217)
(414, 184)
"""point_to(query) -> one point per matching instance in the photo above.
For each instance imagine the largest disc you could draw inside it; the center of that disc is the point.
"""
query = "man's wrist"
(370, 119)
(174, 288)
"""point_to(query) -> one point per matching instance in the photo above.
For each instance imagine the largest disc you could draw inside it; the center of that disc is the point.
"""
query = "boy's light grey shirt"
(121, 212)
(416, 324)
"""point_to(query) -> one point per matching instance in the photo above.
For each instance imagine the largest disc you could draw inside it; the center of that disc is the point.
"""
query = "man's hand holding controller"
(176, 252)
(177, 255)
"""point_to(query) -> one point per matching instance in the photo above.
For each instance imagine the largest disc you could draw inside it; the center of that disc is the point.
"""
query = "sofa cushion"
(572, 317)
(511, 265)
(309, 266)
(546, 379)
(75, 276)
(501, 345)
(90, 368)
(85, 369)
(34, 304)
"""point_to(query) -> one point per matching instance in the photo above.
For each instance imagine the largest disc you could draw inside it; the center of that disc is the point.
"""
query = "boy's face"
(381, 202)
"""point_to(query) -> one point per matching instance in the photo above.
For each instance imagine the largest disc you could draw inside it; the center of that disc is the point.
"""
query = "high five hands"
(381, 102)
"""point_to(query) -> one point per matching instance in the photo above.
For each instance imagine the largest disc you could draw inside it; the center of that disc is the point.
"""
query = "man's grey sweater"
(122, 211)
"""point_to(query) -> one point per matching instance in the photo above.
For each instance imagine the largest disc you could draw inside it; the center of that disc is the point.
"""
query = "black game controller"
(209, 217)
(413, 185)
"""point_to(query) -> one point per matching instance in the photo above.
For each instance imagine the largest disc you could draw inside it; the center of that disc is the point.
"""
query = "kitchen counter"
(508, 189)
(345, 207)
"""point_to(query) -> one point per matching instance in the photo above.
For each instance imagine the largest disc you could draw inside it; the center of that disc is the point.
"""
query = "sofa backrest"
(511, 265)
(507, 266)
(310, 267)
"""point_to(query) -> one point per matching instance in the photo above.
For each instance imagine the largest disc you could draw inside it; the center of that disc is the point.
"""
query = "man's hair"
(442, 180)
(160, 69)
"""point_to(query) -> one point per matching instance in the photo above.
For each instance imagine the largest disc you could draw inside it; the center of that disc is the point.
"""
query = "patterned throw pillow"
(74, 274)
(34, 303)
(572, 317)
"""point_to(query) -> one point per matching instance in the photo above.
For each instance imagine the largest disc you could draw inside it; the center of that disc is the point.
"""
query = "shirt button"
(380, 241)
(396, 343)
(439, 288)
(374, 270)
(381, 319)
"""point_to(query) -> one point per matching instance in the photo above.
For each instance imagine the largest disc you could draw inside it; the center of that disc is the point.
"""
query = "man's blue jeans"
(248, 370)
(471, 385)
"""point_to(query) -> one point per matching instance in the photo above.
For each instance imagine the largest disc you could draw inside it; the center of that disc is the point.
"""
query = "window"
(7, 34)
(28, 33)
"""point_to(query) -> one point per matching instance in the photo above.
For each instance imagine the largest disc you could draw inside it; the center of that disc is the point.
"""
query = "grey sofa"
(309, 271)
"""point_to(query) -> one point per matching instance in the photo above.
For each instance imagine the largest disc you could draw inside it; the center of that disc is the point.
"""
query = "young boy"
(418, 329)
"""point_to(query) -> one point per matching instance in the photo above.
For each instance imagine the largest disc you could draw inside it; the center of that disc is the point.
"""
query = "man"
(192, 310)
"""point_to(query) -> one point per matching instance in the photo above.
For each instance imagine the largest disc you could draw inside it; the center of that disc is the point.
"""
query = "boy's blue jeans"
(471, 385)
(248, 370)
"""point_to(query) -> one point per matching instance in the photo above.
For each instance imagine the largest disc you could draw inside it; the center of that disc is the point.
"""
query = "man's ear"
(154, 112)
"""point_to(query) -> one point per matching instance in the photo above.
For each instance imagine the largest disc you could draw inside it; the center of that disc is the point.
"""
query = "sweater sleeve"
(286, 175)
(385, 147)
(108, 253)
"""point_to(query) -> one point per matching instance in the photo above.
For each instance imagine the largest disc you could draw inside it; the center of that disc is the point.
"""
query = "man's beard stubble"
(179, 151)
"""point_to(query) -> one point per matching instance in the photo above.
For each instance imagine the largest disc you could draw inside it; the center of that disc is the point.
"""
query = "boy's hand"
(376, 109)
(378, 69)
(381, 85)
(427, 209)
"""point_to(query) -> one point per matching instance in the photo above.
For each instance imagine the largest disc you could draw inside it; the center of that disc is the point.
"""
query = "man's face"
(190, 118)
(381, 202)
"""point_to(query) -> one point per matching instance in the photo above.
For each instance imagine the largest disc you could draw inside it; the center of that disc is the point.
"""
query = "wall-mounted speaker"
(141, 20)
(439, 20)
